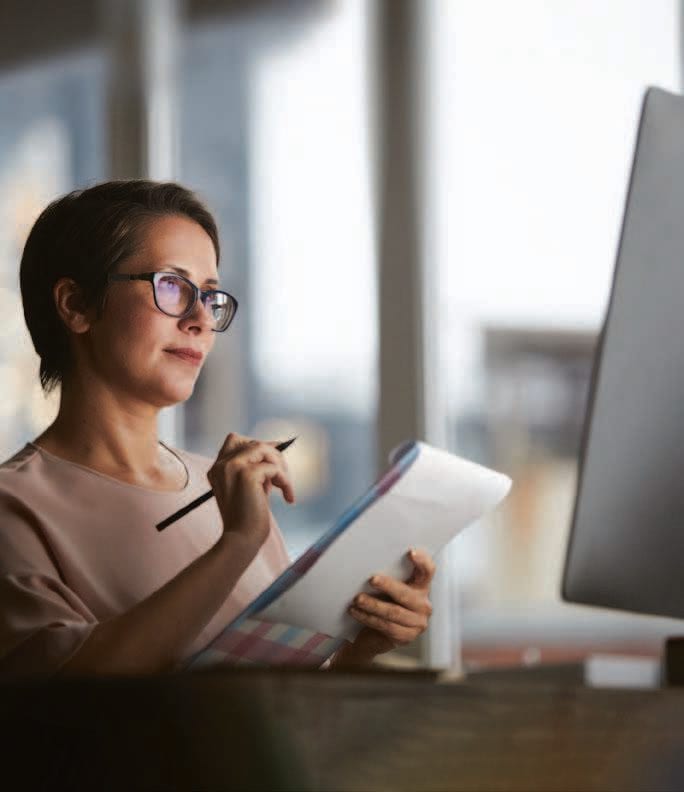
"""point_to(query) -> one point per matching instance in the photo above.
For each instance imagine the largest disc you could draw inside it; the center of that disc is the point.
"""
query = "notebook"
(424, 499)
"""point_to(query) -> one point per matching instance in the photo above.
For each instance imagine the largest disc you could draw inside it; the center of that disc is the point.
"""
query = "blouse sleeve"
(42, 621)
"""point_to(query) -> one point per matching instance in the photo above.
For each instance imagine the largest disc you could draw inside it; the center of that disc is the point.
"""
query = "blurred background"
(419, 203)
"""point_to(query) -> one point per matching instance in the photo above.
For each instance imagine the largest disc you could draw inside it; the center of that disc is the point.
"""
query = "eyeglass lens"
(175, 297)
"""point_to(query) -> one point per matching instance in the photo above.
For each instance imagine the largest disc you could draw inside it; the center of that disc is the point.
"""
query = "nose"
(200, 317)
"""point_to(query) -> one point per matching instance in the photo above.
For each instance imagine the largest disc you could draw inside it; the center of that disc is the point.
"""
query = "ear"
(70, 305)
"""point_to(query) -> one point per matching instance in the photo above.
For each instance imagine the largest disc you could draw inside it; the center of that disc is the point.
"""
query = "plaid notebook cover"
(256, 642)
(250, 640)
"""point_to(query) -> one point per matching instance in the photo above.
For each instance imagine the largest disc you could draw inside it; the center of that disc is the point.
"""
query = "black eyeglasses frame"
(199, 293)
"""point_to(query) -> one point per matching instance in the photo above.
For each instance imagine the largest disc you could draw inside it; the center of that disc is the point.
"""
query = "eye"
(169, 283)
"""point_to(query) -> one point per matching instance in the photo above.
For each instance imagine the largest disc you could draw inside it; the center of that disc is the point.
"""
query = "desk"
(282, 729)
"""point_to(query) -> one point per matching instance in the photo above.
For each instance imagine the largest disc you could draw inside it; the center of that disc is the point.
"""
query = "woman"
(119, 288)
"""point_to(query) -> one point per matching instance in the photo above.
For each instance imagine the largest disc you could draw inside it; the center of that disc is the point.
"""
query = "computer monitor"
(626, 545)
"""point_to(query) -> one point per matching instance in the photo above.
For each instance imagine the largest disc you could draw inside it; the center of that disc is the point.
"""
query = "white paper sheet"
(436, 498)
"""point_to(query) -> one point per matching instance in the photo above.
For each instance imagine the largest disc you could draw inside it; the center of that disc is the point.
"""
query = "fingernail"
(374, 580)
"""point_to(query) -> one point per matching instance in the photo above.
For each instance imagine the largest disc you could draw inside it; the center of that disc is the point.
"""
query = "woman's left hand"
(388, 625)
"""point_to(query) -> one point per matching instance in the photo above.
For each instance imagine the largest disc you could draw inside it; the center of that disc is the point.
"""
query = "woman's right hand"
(241, 478)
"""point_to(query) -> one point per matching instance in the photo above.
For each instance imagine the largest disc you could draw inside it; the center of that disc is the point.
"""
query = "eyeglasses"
(176, 296)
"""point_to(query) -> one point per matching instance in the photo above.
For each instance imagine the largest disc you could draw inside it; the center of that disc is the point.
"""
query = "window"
(51, 141)
(536, 115)
(274, 136)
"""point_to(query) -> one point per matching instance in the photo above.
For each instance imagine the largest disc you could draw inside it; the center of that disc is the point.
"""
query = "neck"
(108, 431)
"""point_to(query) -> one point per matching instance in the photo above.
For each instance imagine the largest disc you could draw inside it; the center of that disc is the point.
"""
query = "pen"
(202, 498)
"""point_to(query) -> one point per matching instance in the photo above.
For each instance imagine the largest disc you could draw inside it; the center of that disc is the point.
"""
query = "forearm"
(154, 635)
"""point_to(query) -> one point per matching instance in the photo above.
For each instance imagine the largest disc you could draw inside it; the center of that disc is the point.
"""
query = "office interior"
(419, 204)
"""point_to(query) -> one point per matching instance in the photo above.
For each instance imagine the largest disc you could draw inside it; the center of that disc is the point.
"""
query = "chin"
(174, 393)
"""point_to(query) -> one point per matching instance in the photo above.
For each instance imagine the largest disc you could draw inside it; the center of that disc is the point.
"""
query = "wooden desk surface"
(278, 729)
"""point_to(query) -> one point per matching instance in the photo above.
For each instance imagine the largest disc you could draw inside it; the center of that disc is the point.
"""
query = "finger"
(251, 451)
(271, 473)
(275, 444)
(256, 450)
(395, 632)
(235, 441)
(232, 442)
(246, 452)
(283, 482)
(415, 599)
(423, 568)
(266, 474)
(390, 611)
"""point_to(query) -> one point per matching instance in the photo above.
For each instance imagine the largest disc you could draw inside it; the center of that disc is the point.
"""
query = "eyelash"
(205, 287)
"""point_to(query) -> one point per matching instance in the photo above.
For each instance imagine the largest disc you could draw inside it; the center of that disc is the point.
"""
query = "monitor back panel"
(626, 546)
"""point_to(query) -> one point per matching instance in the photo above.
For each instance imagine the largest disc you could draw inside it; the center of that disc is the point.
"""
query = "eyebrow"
(181, 271)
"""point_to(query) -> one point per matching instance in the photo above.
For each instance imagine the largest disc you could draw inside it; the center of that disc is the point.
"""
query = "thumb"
(423, 569)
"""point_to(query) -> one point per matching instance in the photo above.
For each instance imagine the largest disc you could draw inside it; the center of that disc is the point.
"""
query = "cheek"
(134, 331)
(123, 315)
(134, 312)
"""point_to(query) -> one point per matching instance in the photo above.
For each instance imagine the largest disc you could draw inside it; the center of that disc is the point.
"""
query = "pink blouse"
(78, 547)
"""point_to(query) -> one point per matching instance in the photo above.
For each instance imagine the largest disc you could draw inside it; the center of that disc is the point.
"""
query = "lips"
(187, 354)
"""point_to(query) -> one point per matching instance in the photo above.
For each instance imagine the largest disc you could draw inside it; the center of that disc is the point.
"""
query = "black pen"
(202, 498)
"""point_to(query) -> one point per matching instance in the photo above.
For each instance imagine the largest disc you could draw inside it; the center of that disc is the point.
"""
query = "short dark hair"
(84, 235)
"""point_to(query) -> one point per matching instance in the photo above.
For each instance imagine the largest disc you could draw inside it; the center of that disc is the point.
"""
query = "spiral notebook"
(424, 499)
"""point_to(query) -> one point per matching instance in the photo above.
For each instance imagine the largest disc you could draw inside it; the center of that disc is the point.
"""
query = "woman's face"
(129, 345)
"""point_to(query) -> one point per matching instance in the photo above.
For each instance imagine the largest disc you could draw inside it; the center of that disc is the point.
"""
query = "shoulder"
(19, 476)
(19, 461)
(26, 476)
(20, 535)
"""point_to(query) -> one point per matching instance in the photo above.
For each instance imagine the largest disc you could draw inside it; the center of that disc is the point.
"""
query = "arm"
(153, 635)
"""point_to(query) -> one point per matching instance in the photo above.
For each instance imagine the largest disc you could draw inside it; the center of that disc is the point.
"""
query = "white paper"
(436, 498)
